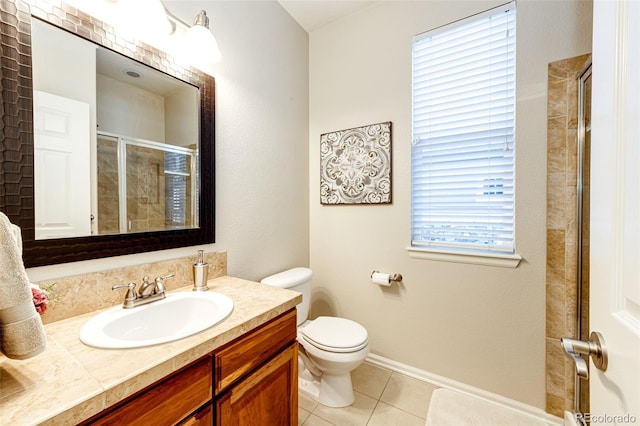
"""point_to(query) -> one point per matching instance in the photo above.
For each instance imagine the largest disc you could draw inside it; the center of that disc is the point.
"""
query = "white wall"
(64, 65)
(262, 186)
(480, 325)
(181, 111)
(145, 120)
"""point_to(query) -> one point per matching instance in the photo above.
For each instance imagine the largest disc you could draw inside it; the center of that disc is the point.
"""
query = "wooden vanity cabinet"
(255, 383)
(203, 417)
(168, 402)
(257, 376)
(268, 396)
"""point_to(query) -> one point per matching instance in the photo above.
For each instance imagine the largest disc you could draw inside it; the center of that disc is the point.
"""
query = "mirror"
(115, 141)
(143, 180)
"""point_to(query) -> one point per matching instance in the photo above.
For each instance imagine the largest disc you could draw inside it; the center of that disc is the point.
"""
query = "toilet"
(331, 347)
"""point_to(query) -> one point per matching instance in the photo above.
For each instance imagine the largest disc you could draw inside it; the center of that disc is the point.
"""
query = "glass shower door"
(145, 186)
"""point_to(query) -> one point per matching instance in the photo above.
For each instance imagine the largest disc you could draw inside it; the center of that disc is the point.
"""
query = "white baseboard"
(443, 382)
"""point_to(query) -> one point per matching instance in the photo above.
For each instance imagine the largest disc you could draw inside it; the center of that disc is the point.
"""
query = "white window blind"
(463, 135)
(176, 189)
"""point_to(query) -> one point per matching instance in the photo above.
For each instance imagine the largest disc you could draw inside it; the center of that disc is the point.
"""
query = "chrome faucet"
(149, 291)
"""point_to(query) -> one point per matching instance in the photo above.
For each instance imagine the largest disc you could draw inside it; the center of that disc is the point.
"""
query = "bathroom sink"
(178, 315)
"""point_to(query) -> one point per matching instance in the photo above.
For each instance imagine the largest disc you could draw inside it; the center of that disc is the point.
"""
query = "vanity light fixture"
(199, 43)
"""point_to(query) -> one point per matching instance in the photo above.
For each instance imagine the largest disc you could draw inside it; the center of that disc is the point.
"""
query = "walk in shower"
(145, 185)
(567, 266)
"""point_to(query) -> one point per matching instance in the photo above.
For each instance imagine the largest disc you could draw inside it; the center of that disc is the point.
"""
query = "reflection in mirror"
(115, 141)
(192, 220)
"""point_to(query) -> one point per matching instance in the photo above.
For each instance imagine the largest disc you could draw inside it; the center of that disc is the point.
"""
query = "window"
(177, 173)
(462, 165)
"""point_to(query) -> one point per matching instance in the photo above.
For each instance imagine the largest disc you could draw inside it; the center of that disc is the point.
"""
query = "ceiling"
(314, 14)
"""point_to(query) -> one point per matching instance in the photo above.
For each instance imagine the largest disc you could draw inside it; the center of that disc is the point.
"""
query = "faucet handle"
(160, 282)
(131, 295)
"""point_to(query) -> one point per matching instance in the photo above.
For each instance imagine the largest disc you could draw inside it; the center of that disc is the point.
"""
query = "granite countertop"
(70, 381)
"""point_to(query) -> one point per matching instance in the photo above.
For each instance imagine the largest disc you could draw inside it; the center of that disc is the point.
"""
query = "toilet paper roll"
(381, 278)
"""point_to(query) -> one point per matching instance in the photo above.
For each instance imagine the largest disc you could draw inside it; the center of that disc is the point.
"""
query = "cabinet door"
(268, 396)
(203, 417)
(166, 403)
(251, 350)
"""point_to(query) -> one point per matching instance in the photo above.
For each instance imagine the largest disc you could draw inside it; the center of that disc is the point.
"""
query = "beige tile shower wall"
(80, 294)
(562, 258)
(145, 189)
(108, 207)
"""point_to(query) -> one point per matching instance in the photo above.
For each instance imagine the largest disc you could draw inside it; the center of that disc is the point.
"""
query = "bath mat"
(449, 408)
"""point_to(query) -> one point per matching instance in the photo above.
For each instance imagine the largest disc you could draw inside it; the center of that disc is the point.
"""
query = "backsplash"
(80, 294)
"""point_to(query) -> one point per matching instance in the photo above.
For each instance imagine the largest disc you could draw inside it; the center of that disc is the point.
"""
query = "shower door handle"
(594, 347)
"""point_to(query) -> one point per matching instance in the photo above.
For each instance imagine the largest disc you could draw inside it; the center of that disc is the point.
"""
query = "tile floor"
(383, 398)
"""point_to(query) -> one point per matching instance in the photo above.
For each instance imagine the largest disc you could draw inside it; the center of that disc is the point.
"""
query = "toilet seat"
(338, 335)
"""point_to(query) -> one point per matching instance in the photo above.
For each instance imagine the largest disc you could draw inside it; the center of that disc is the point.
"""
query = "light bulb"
(201, 46)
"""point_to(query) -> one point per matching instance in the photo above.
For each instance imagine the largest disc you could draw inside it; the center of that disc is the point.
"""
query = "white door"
(615, 210)
(62, 167)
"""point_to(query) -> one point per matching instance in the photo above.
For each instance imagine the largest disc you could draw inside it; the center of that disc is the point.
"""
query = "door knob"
(594, 347)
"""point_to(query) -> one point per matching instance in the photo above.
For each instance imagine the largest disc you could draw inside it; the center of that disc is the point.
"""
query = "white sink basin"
(178, 315)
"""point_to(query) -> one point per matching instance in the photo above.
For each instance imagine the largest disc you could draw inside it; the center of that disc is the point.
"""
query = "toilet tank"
(296, 279)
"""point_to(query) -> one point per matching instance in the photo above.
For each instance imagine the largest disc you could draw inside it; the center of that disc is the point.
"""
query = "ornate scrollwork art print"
(355, 165)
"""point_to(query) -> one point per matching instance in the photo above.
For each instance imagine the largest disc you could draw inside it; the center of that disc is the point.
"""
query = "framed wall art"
(355, 165)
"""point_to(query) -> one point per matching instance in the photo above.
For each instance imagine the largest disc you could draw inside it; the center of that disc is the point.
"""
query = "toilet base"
(309, 387)
(336, 391)
(330, 390)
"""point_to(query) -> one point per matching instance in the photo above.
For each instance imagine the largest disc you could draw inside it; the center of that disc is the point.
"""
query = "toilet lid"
(335, 334)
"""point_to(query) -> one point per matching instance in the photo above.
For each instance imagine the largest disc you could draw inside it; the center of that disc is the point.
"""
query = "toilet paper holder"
(393, 278)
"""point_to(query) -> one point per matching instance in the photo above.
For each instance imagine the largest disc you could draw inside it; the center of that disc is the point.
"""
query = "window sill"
(486, 259)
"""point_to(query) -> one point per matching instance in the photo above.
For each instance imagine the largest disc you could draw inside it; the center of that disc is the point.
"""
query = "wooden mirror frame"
(16, 137)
